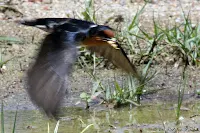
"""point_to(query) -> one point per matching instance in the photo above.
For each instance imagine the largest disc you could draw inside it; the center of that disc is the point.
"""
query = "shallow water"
(156, 118)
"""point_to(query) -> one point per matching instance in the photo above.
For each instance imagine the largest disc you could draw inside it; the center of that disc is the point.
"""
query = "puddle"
(156, 118)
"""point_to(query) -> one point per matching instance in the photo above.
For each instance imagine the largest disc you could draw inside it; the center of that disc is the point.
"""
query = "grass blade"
(86, 128)
(15, 120)
(132, 102)
(2, 118)
(48, 128)
(56, 128)
(10, 39)
(135, 19)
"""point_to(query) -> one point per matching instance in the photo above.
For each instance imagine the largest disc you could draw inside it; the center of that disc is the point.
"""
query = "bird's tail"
(44, 23)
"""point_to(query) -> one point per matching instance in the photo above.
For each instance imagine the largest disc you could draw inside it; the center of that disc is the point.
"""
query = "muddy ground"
(12, 77)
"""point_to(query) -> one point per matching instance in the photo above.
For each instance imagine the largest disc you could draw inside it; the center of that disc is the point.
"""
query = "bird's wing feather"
(114, 53)
(49, 24)
(47, 79)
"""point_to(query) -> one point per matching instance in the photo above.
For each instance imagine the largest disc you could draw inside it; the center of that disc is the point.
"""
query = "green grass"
(56, 128)
(9, 39)
(2, 118)
(130, 31)
(186, 38)
(86, 58)
(3, 122)
(183, 38)
(181, 91)
(119, 95)
(90, 13)
(129, 92)
(86, 128)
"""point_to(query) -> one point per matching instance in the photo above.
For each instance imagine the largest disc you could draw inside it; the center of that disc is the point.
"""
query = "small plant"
(146, 77)
(131, 29)
(118, 94)
(181, 91)
(88, 98)
(186, 38)
(89, 14)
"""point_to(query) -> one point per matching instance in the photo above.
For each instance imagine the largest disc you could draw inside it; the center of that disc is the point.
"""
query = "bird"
(47, 78)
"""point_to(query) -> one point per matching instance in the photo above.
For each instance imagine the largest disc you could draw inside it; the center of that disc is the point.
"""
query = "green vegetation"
(2, 120)
(9, 39)
(3, 130)
(130, 92)
(183, 38)
(86, 58)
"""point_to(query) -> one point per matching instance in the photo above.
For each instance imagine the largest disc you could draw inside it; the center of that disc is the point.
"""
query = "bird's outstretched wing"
(47, 78)
(112, 51)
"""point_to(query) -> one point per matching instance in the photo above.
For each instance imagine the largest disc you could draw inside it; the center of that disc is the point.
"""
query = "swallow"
(48, 77)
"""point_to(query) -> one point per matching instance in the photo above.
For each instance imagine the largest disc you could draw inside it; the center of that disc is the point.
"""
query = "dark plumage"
(48, 77)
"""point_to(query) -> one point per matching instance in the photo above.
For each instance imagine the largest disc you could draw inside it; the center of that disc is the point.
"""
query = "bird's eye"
(93, 31)
(80, 37)
(101, 31)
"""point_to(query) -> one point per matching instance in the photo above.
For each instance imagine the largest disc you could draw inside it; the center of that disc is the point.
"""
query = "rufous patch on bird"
(94, 41)
(109, 33)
